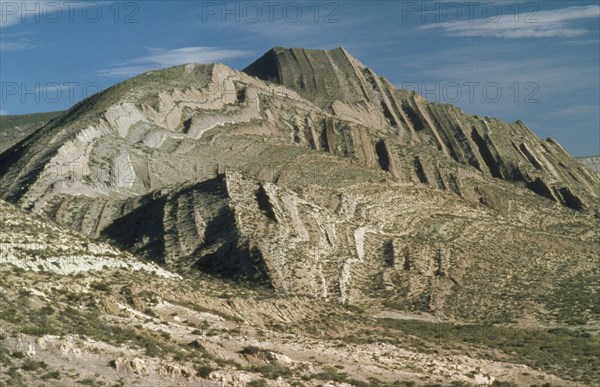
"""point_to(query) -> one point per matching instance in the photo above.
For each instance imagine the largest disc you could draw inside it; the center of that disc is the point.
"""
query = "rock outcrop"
(311, 174)
(592, 162)
(346, 88)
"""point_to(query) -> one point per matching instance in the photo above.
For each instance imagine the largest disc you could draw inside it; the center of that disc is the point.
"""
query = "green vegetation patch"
(570, 353)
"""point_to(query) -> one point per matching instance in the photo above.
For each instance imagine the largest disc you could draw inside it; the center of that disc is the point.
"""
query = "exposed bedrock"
(338, 82)
(311, 174)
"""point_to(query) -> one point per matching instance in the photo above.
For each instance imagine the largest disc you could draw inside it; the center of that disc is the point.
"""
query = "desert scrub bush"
(204, 371)
(354, 308)
(90, 323)
(15, 376)
(51, 375)
(150, 312)
(90, 382)
(32, 365)
(18, 355)
(566, 352)
(331, 374)
(252, 350)
(373, 382)
(4, 356)
(100, 286)
(258, 383)
(393, 304)
(576, 299)
(165, 335)
(271, 371)
(498, 383)
(200, 349)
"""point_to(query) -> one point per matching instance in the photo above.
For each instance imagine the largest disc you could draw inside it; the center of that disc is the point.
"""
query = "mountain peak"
(321, 76)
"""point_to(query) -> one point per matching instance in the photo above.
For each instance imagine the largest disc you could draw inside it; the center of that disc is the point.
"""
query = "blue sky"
(537, 61)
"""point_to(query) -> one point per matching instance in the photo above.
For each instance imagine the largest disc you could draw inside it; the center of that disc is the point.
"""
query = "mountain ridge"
(319, 226)
(142, 151)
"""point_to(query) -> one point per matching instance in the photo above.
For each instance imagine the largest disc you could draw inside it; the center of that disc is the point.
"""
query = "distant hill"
(15, 128)
(592, 162)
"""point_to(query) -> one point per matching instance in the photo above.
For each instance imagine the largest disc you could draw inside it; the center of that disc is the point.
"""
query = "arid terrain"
(302, 222)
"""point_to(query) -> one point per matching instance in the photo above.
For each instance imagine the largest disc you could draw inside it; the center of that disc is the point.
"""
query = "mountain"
(592, 162)
(310, 177)
(346, 88)
(75, 311)
(15, 128)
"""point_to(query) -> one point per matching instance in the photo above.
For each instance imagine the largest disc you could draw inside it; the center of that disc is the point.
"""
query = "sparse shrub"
(88, 382)
(258, 383)
(331, 374)
(251, 350)
(32, 365)
(100, 286)
(165, 335)
(272, 371)
(51, 375)
(498, 383)
(204, 371)
(152, 350)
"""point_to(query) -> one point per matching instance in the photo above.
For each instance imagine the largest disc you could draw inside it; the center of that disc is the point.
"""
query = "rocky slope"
(78, 312)
(14, 129)
(310, 175)
(592, 162)
(343, 86)
(305, 190)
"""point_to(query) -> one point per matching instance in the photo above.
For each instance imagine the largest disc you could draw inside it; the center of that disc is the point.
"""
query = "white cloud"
(3, 112)
(507, 64)
(542, 24)
(161, 58)
(18, 12)
(577, 110)
(17, 45)
(16, 41)
(530, 86)
(566, 88)
(583, 42)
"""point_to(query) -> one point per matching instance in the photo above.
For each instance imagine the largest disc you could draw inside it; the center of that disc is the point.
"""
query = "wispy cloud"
(566, 91)
(582, 42)
(14, 13)
(160, 58)
(16, 46)
(16, 41)
(10, 13)
(577, 110)
(507, 64)
(530, 86)
(3, 112)
(18, 12)
(542, 24)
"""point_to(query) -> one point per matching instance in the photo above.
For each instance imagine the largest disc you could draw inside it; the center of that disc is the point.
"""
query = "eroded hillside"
(305, 191)
(76, 312)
